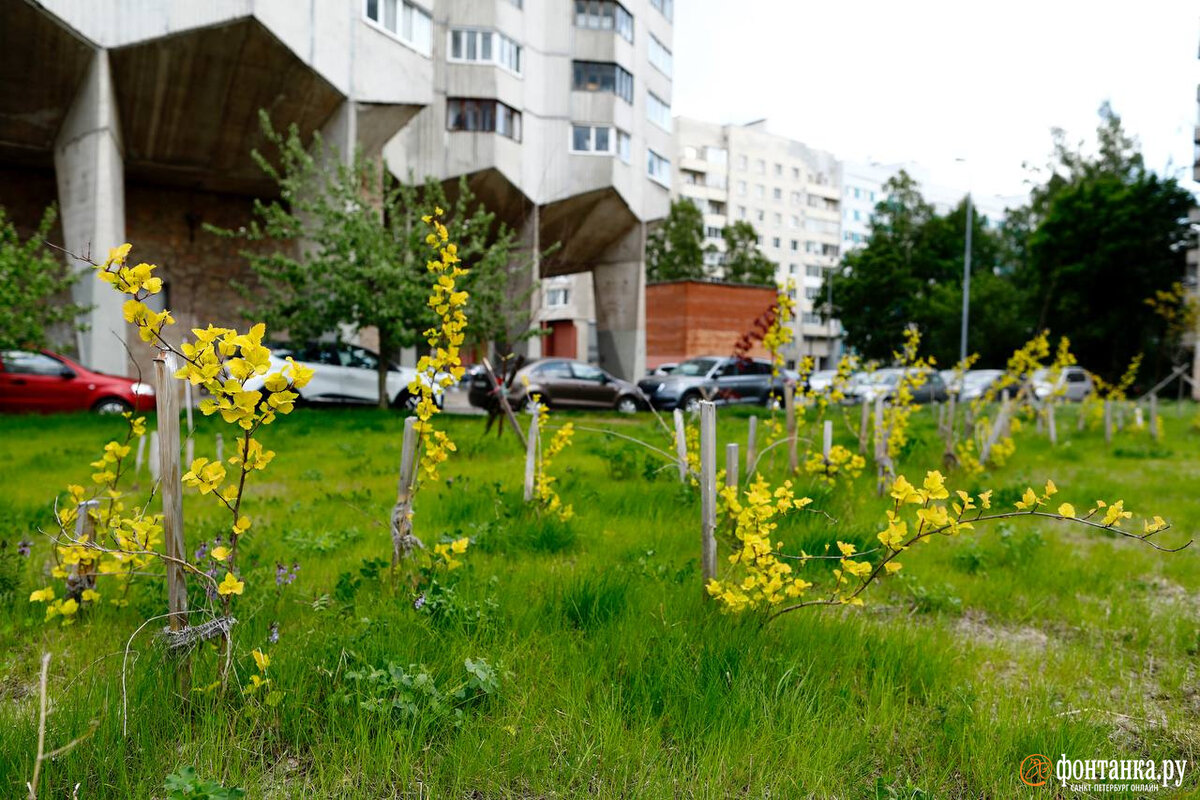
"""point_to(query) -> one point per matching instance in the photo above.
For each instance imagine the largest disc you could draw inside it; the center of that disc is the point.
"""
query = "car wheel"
(111, 405)
(627, 405)
(690, 403)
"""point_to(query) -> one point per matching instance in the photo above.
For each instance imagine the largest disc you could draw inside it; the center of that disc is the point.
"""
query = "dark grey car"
(723, 380)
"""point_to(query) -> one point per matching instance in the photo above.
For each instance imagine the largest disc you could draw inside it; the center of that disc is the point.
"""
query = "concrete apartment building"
(789, 192)
(138, 116)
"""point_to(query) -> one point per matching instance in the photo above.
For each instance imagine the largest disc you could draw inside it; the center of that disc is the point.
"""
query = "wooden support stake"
(1081, 420)
(220, 448)
(751, 445)
(1108, 421)
(731, 464)
(789, 405)
(155, 463)
(681, 445)
(171, 488)
(141, 452)
(827, 440)
(883, 462)
(403, 540)
(1139, 419)
(502, 395)
(863, 427)
(189, 446)
(999, 427)
(1051, 424)
(83, 574)
(531, 454)
(1154, 416)
(708, 491)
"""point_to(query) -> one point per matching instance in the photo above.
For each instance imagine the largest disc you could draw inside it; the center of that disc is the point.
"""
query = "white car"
(344, 374)
(1073, 383)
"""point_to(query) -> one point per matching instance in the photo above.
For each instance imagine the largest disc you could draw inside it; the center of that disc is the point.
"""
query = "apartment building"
(789, 192)
(138, 118)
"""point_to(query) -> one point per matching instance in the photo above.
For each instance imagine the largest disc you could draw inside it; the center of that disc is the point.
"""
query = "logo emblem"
(1035, 770)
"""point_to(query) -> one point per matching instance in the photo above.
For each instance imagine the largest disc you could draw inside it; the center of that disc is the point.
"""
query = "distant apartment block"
(789, 192)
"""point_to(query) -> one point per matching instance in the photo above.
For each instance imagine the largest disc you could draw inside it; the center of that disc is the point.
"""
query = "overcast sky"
(932, 80)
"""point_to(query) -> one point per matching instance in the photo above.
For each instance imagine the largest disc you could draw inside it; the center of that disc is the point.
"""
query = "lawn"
(578, 659)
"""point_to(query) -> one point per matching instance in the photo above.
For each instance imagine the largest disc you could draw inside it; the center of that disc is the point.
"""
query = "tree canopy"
(32, 281)
(1100, 237)
(676, 251)
(353, 253)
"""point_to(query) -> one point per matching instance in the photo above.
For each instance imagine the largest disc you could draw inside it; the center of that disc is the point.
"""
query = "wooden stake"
(862, 428)
(1108, 421)
(708, 491)
(999, 427)
(1051, 424)
(502, 395)
(531, 454)
(83, 576)
(1154, 416)
(220, 448)
(789, 405)
(155, 462)
(171, 488)
(731, 464)
(141, 452)
(751, 445)
(827, 440)
(189, 446)
(403, 540)
(681, 445)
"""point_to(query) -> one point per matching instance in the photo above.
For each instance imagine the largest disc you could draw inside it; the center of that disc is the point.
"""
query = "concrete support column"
(91, 194)
(619, 282)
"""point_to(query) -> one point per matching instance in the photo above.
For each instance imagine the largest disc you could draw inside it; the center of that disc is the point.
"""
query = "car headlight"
(142, 389)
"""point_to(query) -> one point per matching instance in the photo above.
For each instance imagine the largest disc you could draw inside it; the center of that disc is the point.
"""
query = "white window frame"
(655, 103)
(664, 164)
(398, 35)
(613, 132)
(498, 40)
(624, 146)
(660, 56)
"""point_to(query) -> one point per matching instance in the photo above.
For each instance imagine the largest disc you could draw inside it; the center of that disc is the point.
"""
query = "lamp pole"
(966, 291)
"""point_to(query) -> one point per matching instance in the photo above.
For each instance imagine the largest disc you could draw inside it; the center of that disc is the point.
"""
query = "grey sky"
(932, 80)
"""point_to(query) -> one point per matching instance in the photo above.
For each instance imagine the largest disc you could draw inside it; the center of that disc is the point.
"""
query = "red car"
(46, 381)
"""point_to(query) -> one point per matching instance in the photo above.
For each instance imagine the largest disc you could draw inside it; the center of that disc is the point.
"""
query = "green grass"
(615, 679)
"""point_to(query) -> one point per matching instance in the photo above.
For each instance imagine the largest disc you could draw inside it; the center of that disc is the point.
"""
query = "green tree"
(743, 262)
(1108, 234)
(356, 252)
(675, 249)
(33, 282)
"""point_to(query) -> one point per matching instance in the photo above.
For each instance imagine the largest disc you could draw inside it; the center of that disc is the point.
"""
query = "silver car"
(1074, 384)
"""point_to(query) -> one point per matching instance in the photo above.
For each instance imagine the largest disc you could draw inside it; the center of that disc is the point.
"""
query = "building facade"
(790, 193)
(139, 117)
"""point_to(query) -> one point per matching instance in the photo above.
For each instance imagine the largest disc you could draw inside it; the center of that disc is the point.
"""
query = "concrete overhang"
(189, 103)
(589, 225)
(42, 66)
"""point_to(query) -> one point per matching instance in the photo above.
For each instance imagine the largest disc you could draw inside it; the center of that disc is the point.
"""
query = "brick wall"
(685, 319)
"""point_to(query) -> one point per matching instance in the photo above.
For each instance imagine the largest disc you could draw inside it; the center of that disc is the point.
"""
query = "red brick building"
(685, 319)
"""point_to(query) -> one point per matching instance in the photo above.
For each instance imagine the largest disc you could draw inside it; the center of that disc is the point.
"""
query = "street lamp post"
(966, 291)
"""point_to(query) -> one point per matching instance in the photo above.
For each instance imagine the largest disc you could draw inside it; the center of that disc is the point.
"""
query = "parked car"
(344, 374)
(976, 382)
(884, 383)
(46, 381)
(663, 369)
(720, 379)
(821, 380)
(560, 383)
(1074, 383)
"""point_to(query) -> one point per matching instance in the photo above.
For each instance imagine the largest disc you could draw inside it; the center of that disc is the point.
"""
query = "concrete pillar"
(619, 281)
(91, 193)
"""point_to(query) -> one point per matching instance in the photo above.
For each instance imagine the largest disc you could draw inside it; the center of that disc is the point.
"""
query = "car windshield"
(695, 366)
(884, 378)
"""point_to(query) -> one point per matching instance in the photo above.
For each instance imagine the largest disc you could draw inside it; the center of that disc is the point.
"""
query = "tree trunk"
(385, 346)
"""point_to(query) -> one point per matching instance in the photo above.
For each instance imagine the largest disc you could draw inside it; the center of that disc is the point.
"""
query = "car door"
(734, 381)
(559, 384)
(360, 375)
(326, 383)
(1077, 385)
(594, 386)
(36, 382)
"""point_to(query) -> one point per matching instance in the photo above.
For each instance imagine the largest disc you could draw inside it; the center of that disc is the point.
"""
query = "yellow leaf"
(1066, 510)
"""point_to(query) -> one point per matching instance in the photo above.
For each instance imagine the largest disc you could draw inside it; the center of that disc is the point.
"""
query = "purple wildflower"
(24, 547)
(419, 603)
(273, 636)
(202, 551)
